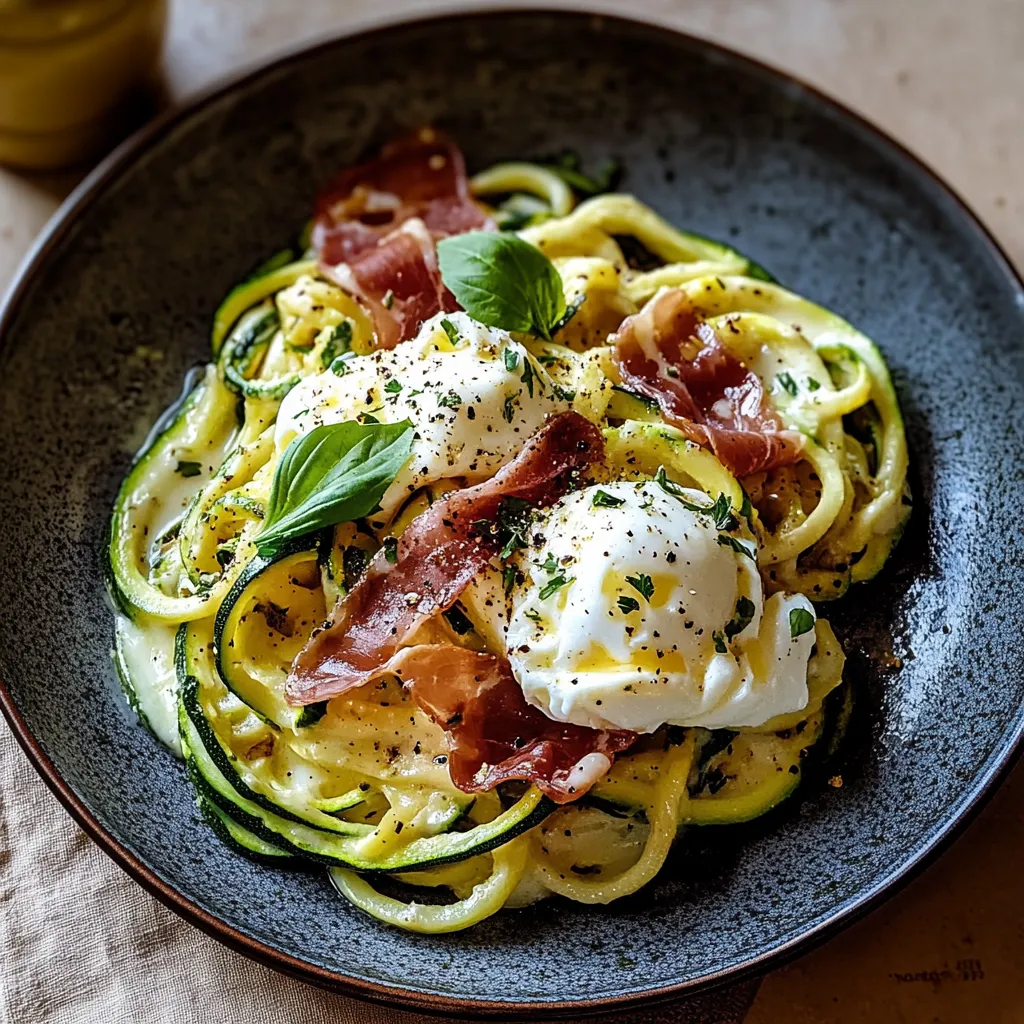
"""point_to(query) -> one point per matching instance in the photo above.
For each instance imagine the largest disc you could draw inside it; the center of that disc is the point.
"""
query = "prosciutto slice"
(437, 556)
(666, 353)
(493, 735)
(377, 223)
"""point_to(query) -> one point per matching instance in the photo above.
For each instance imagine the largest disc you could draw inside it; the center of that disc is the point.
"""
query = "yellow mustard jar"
(68, 70)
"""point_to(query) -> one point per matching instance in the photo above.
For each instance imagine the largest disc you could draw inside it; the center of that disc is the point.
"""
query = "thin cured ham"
(437, 556)
(377, 223)
(493, 735)
(666, 353)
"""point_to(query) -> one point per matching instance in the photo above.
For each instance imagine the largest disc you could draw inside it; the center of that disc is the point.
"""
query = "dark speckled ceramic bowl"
(141, 256)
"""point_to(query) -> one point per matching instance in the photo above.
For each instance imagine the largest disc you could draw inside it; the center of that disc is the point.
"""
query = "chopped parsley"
(628, 604)
(528, 376)
(737, 545)
(391, 549)
(565, 394)
(338, 342)
(389, 299)
(339, 366)
(787, 383)
(511, 360)
(643, 584)
(508, 579)
(509, 409)
(532, 615)
(451, 330)
(393, 386)
(554, 584)
(452, 400)
(720, 510)
(550, 564)
(187, 469)
(746, 509)
(812, 384)
(513, 522)
(800, 621)
(739, 622)
(602, 499)
(719, 642)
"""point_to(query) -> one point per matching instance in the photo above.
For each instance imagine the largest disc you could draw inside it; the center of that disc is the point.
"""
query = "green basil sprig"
(334, 474)
(502, 281)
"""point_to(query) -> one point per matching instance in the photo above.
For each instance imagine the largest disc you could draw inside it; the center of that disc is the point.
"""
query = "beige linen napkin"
(82, 943)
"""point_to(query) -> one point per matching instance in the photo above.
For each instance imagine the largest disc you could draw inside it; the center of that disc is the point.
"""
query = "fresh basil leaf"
(334, 474)
(502, 281)
(800, 621)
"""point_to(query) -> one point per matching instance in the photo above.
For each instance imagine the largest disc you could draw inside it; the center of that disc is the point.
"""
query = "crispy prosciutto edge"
(493, 734)
(377, 224)
(437, 556)
(668, 354)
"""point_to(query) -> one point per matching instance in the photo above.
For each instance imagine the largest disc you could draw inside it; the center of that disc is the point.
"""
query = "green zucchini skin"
(243, 842)
(286, 831)
(248, 340)
(216, 780)
(202, 743)
(217, 409)
(255, 568)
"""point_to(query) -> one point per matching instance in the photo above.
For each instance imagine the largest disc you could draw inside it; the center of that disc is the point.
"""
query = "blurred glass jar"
(70, 71)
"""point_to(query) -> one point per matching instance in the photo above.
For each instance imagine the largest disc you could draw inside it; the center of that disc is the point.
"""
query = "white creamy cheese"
(657, 622)
(474, 399)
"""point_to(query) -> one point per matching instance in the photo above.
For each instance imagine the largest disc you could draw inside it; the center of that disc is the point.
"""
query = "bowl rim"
(106, 173)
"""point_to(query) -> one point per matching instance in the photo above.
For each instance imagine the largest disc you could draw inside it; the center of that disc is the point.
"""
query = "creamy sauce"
(146, 656)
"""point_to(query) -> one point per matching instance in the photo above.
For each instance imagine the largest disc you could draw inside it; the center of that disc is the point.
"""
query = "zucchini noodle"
(208, 628)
